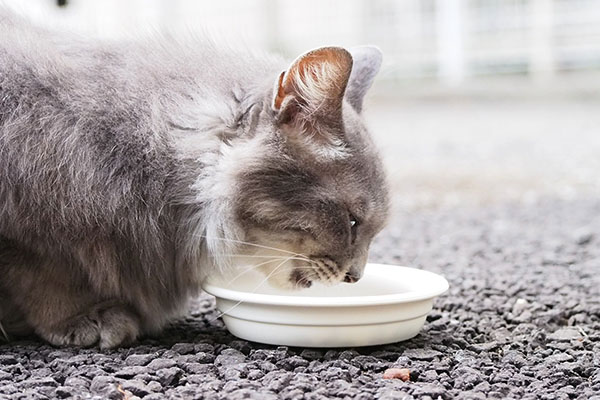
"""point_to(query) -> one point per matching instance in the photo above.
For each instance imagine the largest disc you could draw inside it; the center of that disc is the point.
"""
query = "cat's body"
(128, 172)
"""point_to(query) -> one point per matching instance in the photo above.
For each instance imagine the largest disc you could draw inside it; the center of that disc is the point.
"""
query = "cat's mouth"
(293, 270)
(300, 280)
(323, 269)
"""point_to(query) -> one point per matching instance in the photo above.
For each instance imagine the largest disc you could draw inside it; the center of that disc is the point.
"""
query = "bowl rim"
(439, 286)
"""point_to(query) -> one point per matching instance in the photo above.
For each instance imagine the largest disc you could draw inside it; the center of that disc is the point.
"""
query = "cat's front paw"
(107, 327)
(77, 331)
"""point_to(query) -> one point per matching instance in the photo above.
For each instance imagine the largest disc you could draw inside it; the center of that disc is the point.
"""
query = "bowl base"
(324, 336)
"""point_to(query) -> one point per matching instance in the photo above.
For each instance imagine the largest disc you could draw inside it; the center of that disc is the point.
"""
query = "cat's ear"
(367, 61)
(313, 86)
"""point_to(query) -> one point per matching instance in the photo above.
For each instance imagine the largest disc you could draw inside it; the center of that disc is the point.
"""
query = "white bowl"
(389, 304)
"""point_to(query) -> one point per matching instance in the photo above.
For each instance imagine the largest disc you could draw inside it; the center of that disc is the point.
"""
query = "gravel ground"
(521, 321)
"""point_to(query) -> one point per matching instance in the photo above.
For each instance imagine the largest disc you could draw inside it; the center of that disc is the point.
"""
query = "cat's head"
(312, 194)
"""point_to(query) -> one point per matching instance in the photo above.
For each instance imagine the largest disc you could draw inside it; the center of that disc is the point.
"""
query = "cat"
(132, 171)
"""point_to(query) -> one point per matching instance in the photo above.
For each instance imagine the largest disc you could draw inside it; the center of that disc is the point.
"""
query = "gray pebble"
(161, 363)
(565, 334)
(230, 357)
(422, 354)
(139, 359)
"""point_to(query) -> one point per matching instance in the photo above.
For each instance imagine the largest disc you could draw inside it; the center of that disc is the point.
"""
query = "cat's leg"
(64, 315)
(107, 324)
(58, 303)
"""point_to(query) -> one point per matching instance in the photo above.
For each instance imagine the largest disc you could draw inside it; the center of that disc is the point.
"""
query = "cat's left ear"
(367, 61)
(313, 87)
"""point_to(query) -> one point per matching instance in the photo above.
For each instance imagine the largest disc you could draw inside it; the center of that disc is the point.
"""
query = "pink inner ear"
(280, 93)
(303, 70)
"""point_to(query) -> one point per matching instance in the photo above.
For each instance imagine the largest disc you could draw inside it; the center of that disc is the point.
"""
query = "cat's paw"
(77, 331)
(107, 327)
(118, 327)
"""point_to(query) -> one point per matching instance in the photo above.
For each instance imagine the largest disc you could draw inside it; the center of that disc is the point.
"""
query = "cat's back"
(87, 123)
(87, 73)
(82, 139)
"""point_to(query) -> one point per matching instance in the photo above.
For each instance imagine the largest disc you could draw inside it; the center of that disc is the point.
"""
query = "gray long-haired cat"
(130, 172)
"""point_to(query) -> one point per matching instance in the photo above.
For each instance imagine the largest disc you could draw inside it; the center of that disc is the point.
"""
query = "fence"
(448, 40)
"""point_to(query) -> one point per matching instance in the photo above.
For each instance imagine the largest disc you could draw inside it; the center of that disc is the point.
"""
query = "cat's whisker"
(252, 267)
(273, 259)
(4, 333)
(306, 267)
(266, 256)
(253, 291)
(250, 244)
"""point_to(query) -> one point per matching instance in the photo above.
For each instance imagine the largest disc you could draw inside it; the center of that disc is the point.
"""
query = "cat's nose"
(351, 278)
(354, 273)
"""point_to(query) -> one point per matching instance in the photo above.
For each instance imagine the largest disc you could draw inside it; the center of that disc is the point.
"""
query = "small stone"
(370, 363)
(482, 387)
(106, 387)
(515, 358)
(230, 357)
(397, 373)
(466, 378)
(160, 396)
(154, 386)
(422, 354)
(130, 372)
(429, 389)
(255, 374)
(65, 392)
(136, 387)
(558, 358)
(501, 335)
(184, 348)
(484, 347)
(584, 237)
(161, 363)
(7, 359)
(267, 367)
(139, 359)
(197, 368)
(39, 382)
(386, 393)
(565, 335)
(348, 354)
(241, 346)
(386, 355)
(474, 395)
(520, 306)
(334, 373)
(167, 376)
(429, 376)
(292, 363)
(205, 358)
(77, 382)
(204, 347)
(311, 354)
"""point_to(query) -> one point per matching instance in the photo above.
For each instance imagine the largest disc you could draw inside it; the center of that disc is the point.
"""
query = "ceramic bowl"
(389, 304)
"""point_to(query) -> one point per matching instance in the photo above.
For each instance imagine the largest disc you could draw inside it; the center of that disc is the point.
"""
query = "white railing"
(449, 40)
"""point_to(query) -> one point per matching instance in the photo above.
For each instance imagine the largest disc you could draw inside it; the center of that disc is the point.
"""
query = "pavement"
(520, 321)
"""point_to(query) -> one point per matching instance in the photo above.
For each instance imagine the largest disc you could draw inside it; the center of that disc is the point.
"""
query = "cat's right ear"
(313, 87)
(367, 61)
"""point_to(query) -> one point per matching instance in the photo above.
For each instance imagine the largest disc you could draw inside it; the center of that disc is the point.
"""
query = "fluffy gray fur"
(130, 172)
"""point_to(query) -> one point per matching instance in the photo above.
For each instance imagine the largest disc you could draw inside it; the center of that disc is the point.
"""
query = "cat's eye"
(353, 225)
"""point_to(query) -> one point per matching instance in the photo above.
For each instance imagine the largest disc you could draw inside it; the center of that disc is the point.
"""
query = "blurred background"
(478, 101)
